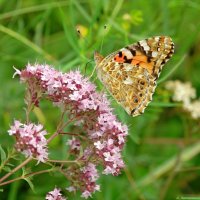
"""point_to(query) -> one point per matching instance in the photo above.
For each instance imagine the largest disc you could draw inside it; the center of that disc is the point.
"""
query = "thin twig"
(172, 174)
(74, 134)
(189, 169)
(187, 154)
(167, 141)
(52, 137)
(133, 185)
(63, 161)
(16, 169)
(59, 129)
(27, 175)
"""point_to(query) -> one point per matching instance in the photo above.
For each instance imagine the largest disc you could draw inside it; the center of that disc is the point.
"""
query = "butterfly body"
(130, 73)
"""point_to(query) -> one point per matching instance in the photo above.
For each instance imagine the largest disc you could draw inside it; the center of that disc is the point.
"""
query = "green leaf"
(26, 171)
(30, 183)
(3, 154)
(165, 104)
(6, 168)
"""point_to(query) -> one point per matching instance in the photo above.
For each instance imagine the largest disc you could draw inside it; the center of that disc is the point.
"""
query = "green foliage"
(27, 179)
(163, 143)
(5, 158)
(3, 154)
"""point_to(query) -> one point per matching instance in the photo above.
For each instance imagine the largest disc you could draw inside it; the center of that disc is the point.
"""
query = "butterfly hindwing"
(130, 73)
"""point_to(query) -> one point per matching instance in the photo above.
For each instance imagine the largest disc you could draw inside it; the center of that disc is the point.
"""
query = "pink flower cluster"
(69, 89)
(86, 178)
(54, 195)
(89, 176)
(105, 135)
(30, 140)
(74, 145)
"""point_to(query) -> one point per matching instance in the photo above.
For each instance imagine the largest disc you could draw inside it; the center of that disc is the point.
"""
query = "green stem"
(32, 9)
(7, 159)
(27, 175)
(27, 42)
(30, 158)
(62, 161)
(186, 155)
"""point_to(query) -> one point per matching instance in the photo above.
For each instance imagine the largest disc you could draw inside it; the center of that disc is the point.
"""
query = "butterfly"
(130, 74)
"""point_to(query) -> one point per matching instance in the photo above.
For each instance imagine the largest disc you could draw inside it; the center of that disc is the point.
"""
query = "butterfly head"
(98, 57)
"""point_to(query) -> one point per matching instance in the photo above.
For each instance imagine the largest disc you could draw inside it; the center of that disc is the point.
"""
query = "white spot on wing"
(127, 53)
(146, 48)
(128, 67)
(157, 39)
(128, 110)
(144, 44)
(154, 54)
(128, 81)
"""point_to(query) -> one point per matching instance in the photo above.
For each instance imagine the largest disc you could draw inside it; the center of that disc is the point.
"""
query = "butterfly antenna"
(78, 29)
(101, 47)
(81, 36)
(93, 72)
(85, 69)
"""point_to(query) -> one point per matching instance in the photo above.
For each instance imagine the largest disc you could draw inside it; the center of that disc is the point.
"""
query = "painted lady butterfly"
(130, 73)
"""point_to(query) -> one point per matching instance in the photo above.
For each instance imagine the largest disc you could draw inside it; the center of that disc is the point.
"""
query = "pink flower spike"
(55, 195)
(30, 140)
(74, 145)
(86, 194)
(99, 145)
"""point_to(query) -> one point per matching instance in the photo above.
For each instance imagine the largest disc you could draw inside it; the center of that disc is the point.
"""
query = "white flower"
(182, 91)
(194, 109)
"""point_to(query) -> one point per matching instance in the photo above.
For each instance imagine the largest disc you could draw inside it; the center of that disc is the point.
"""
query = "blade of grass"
(37, 8)
(117, 8)
(27, 42)
(70, 35)
(71, 64)
(172, 70)
(186, 155)
(14, 188)
(165, 16)
(111, 20)
(81, 10)
(119, 29)
(163, 104)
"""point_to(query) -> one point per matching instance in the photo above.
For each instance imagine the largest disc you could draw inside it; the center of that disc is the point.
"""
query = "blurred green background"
(162, 151)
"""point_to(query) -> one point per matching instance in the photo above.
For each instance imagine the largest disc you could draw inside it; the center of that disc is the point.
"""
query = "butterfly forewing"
(130, 73)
